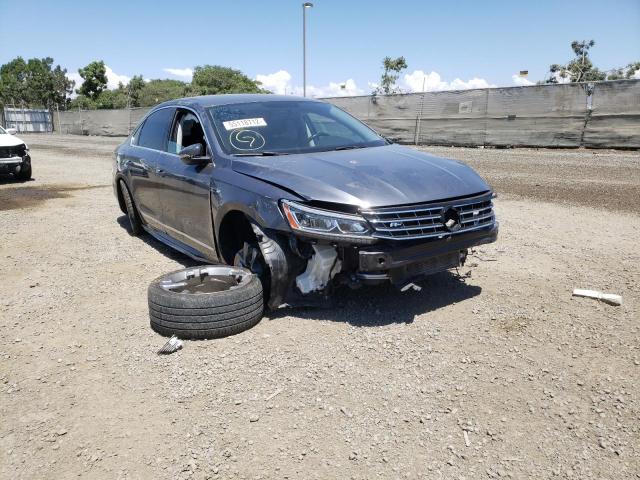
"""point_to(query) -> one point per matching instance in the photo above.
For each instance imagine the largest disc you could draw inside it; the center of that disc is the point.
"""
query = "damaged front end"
(370, 246)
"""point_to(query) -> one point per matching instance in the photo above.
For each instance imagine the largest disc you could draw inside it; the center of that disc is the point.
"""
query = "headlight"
(324, 223)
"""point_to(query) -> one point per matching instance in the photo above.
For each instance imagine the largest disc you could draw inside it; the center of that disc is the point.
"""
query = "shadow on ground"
(165, 250)
(385, 304)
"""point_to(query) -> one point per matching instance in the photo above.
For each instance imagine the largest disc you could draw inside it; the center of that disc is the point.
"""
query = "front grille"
(8, 152)
(429, 220)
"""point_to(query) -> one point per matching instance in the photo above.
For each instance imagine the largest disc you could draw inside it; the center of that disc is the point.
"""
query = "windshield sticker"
(246, 140)
(244, 123)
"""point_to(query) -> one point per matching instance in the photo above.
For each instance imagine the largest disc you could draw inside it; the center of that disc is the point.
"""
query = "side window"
(153, 133)
(186, 131)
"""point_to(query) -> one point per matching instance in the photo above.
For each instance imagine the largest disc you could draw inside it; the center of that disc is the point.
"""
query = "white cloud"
(521, 81)
(180, 72)
(348, 88)
(432, 82)
(113, 79)
(280, 83)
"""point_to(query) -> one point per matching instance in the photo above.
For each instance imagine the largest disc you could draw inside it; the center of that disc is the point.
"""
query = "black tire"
(135, 224)
(180, 303)
(25, 173)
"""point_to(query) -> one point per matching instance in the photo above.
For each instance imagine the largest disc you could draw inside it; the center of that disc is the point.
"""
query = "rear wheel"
(135, 224)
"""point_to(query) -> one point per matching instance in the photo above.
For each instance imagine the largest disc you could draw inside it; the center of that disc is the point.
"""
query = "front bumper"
(13, 164)
(399, 264)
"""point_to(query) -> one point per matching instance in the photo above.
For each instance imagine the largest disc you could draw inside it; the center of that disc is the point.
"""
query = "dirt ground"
(502, 375)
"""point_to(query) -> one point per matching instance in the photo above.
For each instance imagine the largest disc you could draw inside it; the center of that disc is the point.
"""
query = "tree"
(134, 90)
(95, 79)
(214, 79)
(580, 69)
(158, 91)
(390, 74)
(627, 72)
(34, 83)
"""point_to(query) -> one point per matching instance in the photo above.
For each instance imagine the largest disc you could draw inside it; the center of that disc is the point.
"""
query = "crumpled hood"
(7, 140)
(368, 177)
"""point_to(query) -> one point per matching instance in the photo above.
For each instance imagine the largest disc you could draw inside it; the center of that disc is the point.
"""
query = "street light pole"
(304, 46)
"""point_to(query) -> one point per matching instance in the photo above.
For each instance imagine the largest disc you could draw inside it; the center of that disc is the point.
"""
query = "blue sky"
(488, 41)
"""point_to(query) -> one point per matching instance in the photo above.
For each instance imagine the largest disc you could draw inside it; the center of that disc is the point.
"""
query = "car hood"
(368, 177)
(7, 140)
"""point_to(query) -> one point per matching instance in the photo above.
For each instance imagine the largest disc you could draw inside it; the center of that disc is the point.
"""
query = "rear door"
(186, 208)
(142, 157)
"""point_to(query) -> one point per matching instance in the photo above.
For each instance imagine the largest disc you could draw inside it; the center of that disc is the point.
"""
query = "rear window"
(155, 130)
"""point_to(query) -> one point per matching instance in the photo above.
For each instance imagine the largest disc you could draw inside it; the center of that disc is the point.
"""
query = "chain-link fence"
(604, 114)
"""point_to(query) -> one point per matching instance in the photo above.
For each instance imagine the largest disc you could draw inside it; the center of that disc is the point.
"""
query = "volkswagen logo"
(451, 220)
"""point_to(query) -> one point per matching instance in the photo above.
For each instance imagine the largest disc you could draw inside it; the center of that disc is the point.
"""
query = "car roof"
(231, 98)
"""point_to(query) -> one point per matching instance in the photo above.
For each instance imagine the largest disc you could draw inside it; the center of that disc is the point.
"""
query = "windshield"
(282, 127)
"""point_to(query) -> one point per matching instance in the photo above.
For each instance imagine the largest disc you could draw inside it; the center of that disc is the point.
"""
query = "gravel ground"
(502, 375)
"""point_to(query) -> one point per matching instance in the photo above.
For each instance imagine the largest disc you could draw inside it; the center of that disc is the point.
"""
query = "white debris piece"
(321, 268)
(173, 345)
(610, 298)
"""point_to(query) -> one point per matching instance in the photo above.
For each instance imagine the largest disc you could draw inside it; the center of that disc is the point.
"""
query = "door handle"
(159, 171)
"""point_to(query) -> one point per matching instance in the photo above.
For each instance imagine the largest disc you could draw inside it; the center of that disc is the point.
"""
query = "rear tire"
(196, 314)
(135, 224)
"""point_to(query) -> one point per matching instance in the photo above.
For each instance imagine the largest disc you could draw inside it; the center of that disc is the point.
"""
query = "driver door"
(186, 209)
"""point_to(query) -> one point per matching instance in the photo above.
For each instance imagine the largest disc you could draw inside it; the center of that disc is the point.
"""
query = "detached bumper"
(399, 264)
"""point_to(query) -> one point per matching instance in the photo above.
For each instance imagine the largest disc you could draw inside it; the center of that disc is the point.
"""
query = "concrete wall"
(605, 114)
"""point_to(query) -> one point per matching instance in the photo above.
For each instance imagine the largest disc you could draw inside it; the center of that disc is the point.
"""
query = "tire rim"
(205, 280)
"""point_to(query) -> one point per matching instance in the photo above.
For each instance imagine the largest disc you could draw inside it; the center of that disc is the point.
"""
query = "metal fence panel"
(615, 116)
(109, 123)
(28, 119)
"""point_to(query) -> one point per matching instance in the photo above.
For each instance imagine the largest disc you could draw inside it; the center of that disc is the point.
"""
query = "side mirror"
(194, 154)
(11, 131)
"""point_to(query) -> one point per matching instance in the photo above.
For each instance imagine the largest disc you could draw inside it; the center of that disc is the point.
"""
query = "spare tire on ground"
(209, 301)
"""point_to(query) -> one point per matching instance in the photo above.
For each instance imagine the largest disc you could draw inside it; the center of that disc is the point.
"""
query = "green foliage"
(214, 79)
(34, 83)
(626, 72)
(134, 89)
(391, 68)
(158, 91)
(37, 83)
(579, 69)
(95, 79)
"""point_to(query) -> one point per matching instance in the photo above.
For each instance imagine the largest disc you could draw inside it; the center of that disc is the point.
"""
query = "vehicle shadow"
(6, 178)
(165, 250)
(385, 304)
